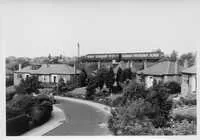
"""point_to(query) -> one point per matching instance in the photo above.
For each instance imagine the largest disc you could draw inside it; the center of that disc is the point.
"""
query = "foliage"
(184, 127)
(173, 87)
(83, 78)
(119, 77)
(38, 109)
(90, 90)
(127, 73)
(28, 86)
(133, 91)
(173, 56)
(109, 79)
(141, 111)
(17, 125)
(10, 92)
(9, 81)
(190, 57)
(61, 86)
(18, 105)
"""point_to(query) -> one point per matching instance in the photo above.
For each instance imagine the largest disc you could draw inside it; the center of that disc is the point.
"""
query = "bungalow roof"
(163, 68)
(50, 69)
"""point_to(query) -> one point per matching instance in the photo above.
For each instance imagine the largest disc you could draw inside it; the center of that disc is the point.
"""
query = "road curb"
(58, 118)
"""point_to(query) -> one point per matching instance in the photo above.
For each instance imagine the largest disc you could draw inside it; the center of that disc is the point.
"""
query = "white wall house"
(189, 81)
(47, 73)
(164, 71)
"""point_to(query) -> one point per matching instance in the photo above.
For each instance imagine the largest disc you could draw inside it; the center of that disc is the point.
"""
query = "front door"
(54, 79)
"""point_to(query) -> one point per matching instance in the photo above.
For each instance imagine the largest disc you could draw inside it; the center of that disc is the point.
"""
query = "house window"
(54, 79)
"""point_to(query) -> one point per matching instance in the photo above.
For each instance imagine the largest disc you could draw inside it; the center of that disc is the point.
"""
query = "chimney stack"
(176, 67)
(20, 67)
(74, 69)
(185, 65)
(145, 64)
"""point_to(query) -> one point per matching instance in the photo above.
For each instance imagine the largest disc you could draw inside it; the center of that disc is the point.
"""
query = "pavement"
(58, 118)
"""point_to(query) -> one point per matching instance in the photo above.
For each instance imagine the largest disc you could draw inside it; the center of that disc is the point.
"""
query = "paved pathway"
(82, 119)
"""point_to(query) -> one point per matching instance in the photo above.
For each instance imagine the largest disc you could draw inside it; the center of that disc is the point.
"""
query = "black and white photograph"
(100, 67)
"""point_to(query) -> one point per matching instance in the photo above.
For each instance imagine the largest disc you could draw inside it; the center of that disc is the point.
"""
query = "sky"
(35, 28)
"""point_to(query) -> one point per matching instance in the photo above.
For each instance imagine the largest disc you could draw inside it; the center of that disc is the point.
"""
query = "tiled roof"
(50, 69)
(190, 70)
(162, 68)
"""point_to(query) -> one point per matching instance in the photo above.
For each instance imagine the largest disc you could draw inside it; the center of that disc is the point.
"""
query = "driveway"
(82, 119)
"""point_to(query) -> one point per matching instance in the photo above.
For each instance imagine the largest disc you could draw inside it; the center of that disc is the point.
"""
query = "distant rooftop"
(49, 69)
(162, 68)
(190, 70)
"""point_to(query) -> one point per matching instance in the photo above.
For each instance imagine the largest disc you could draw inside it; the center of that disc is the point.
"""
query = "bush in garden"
(17, 125)
(132, 120)
(18, 105)
(83, 78)
(141, 110)
(161, 106)
(133, 91)
(28, 86)
(38, 108)
(90, 89)
(109, 79)
(61, 87)
(9, 81)
(173, 87)
(43, 97)
(10, 92)
(118, 101)
(185, 127)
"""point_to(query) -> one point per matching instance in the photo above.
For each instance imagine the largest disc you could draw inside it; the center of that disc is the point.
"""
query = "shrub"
(17, 125)
(173, 87)
(38, 108)
(141, 111)
(18, 105)
(82, 78)
(185, 127)
(134, 91)
(9, 81)
(28, 86)
(118, 101)
(10, 92)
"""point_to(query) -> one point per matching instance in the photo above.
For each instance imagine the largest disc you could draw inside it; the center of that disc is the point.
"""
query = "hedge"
(17, 125)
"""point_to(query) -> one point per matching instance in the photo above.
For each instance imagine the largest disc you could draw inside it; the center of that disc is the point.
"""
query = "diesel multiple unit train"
(154, 56)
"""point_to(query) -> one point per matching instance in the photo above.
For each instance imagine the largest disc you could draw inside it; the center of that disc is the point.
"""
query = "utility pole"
(76, 63)
(78, 55)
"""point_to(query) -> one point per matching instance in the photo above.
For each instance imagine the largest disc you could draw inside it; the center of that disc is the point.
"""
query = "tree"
(90, 90)
(173, 87)
(120, 75)
(174, 56)
(61, 87)
(28, 86)
(83, 78)
(127, 74)
(190, 57)
(110, 78)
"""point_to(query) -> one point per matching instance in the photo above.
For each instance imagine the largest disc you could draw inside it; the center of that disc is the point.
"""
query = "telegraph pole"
(78, 51)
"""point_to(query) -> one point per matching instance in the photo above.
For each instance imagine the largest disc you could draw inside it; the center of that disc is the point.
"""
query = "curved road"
(82, 120)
